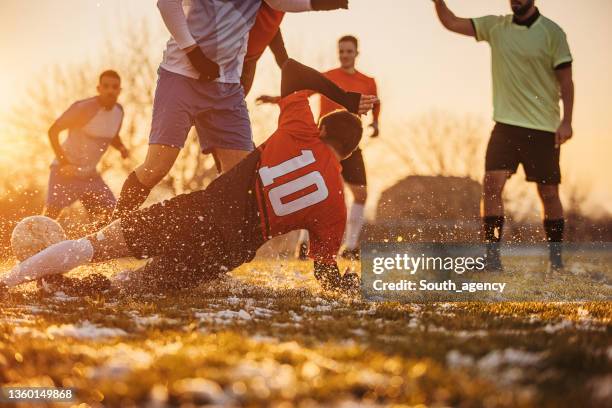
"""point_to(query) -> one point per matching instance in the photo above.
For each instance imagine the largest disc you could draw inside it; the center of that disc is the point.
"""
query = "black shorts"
(510, 146)
(218, 223)
(353, 169)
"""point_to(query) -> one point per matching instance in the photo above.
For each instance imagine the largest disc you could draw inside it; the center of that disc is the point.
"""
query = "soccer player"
(199, 84)
(93, 124)
(353, 168)
(532, 67)
(266, 33)
(290, 182)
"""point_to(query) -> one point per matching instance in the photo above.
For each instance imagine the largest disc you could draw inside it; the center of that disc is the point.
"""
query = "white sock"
(304, 237)
(59, 258)
(353, 226)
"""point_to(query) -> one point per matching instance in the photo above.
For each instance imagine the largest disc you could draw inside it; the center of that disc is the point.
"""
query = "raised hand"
(366, 103)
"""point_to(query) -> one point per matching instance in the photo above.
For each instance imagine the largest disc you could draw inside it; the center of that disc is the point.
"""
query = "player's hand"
(208, 69)
(366, 104)
(69, 170)
(267, 99)
(563, 134)
(375, 130)
(328, 4)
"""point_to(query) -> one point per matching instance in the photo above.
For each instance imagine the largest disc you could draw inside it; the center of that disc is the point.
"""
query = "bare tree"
(439, 143)
(135, 55)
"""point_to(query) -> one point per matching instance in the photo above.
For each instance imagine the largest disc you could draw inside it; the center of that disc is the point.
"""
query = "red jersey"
(356, 82)
(267, 24)
(299, 184)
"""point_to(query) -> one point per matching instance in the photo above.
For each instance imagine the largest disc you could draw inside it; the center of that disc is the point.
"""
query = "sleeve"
(560, 52)
(71, 118)
(483, 26)
(296, 77)
(295, 113)
(325, 241)
(174, 18)
(277, 46)
(291, 6)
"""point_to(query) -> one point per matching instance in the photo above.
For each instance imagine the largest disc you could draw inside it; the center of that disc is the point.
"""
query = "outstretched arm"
(298, 77)
(453, 23)
(277, 46)
(175, 20)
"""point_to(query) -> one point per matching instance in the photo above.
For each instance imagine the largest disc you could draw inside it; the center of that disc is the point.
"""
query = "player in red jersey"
(353, 168)
(292, 181)
(266, 33)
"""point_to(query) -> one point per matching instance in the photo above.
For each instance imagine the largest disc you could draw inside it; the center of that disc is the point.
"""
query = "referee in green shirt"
(532, 70)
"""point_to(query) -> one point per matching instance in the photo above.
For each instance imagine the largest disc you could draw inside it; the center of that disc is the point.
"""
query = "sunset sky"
(418, 65)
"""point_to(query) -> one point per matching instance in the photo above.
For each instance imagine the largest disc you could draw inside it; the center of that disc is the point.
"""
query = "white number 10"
(269, 174)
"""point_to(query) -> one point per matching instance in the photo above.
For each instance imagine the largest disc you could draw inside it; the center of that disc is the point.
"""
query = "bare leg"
(551, 202)
(228, 158)
(493, 187)
(159, 161)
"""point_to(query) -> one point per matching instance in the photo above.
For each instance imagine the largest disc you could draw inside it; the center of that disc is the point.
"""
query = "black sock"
(133, 194)
(554, 236)
(554, 230)
(493, 228)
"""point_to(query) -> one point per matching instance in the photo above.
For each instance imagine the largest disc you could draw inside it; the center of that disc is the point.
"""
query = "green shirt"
(526, 92)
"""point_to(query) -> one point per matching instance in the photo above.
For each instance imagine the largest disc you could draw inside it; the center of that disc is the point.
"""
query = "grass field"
(268, 336)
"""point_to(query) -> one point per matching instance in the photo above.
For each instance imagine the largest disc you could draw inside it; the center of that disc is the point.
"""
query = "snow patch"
(85, 330)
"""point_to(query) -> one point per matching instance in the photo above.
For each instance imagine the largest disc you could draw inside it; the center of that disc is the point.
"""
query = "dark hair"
(349, 38)
(109, 73)
(343, 131)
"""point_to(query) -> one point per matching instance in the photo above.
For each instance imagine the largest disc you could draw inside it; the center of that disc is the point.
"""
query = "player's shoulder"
(85, 106)
(551, 26)
(365, 77)
(90, 102)
(333, 72)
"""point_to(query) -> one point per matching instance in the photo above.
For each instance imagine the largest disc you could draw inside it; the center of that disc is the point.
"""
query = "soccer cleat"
(556, 260)
(89, 285)
(351, 254)
(493, 258)
(302, 251)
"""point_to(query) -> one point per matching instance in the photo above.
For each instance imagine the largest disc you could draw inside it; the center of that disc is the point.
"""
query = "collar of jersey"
(529, 22)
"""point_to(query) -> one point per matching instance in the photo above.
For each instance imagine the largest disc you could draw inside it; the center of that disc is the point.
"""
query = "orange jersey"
(299, 184)
(267, 24)
(356, 82)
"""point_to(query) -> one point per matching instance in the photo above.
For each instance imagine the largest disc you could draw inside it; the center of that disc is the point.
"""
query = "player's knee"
(360, 194)
(150, 174)
(493, 184)
(548, 193)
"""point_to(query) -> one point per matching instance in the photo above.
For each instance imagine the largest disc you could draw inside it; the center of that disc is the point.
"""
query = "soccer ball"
(33, 234)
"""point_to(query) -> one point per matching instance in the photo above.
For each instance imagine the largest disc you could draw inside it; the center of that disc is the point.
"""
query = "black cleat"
(87, 286)
(493, 258)
(351, 254)
(556, 260)
(302, 252)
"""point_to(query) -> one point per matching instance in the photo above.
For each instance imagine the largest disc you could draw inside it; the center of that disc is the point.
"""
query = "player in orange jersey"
(353, 168)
